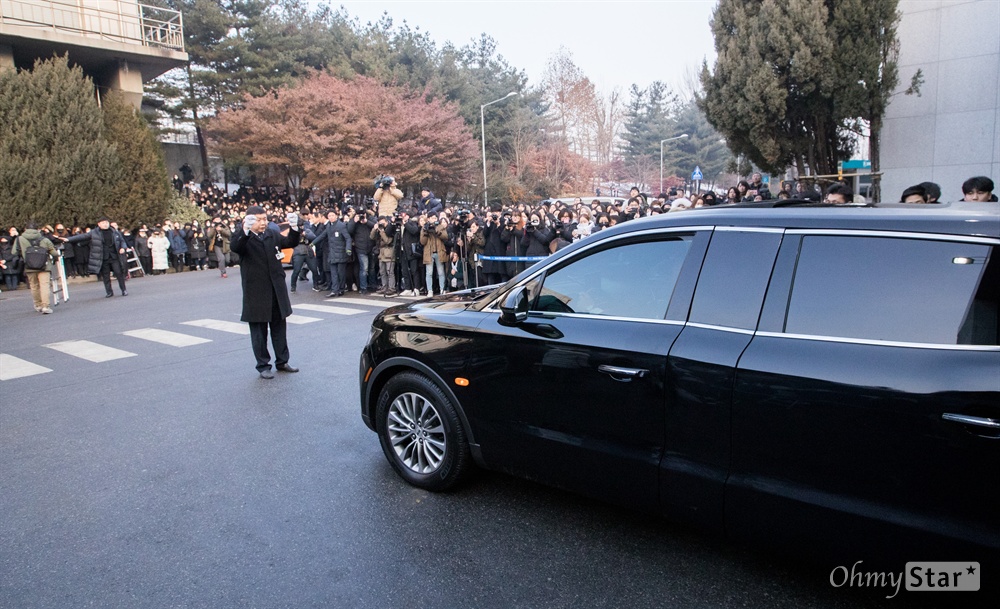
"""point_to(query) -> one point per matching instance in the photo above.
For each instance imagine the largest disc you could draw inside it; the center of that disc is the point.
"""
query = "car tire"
(421, 433)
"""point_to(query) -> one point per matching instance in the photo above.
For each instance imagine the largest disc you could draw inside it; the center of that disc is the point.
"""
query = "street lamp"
(482, 124)
(669, 139)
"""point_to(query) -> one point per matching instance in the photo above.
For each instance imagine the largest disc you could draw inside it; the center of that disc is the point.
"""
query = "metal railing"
(113, 20)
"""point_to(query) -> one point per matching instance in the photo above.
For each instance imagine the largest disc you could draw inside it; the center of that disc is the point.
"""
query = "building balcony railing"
(112, 20)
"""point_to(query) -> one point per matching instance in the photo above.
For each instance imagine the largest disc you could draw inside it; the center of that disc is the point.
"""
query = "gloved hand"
(293, 219)
(248, 223)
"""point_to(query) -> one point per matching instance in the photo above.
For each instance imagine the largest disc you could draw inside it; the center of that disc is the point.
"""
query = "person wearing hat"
(106, 247)
(265, 297)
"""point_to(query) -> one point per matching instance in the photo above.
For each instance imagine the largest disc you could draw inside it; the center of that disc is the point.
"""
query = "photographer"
(494, 271)
(410, 253)
(303, 255)
(384, 236)
(360, 227)
(338, 244)
(464, 241)
(433, 235)
(512, 237)
(218, 243)
(537, 236)
(429, 204)
(387, 196)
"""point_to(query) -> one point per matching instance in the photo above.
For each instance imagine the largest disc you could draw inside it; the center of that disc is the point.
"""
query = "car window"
(893, 289)
(734, 278)
(632, 280)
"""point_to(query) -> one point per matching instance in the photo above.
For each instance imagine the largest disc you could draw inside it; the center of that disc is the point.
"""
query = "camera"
(397, 218)
(384, 181)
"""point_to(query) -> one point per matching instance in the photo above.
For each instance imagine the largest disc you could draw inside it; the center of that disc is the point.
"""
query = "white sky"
(616, 44)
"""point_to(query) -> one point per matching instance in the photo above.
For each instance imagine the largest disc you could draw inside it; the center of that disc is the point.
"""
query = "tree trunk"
(197, 127)
(874, 150)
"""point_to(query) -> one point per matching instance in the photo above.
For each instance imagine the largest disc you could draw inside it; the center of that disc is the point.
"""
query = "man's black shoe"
(333, 295)
(364, 292)
(125, 293)
(286, 368)
(266, 374)
(292, 290)
(109, 294)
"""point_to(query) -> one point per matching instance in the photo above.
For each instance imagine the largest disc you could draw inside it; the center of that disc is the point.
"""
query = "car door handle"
(622, 374)
(967, 420)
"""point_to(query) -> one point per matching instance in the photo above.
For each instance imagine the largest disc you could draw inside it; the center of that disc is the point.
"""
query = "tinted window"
(882, 288)
(629, 280)
(734, 278)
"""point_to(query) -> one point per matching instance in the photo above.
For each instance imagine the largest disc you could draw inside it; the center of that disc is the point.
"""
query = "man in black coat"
(265, 297)
(106, 247)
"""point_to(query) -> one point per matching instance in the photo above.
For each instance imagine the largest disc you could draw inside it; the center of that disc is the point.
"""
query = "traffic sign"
(696, 174)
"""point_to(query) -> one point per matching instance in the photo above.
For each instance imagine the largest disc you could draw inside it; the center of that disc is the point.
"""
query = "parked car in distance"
(815, 376)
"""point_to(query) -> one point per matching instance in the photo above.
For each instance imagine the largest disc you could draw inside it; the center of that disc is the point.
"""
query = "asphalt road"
(175, 477)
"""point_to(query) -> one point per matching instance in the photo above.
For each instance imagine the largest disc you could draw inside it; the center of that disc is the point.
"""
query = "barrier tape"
(511, 258)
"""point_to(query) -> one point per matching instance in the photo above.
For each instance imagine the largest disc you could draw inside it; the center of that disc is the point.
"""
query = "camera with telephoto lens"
(384, 181)
(507, 219)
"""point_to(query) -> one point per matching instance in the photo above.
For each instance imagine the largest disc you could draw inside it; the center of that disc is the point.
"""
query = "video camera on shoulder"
(384, 181)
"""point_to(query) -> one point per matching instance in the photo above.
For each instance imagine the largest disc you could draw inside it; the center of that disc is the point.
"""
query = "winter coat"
(219, 238)
(434, 242)
(388, 200)
(360, 228)
(261, 272)
(536, 240)
(158, 246)
(96, 239)
(178, 241)
(429, 205)
(337, 241)
(411, 241)
(494, 247)
(198, 246)
(23, 242)
(385, 238)
(141, 246)
(12, 262)
(512, 238)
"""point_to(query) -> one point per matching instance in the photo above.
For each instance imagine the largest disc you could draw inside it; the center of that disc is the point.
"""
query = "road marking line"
(328, 309)
(302, 319)
(166, 337)
(14, 368)
(90, 351)
(383, 303)
(223, 326)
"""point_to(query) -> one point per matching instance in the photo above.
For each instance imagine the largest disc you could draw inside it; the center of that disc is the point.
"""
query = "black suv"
(821, 374)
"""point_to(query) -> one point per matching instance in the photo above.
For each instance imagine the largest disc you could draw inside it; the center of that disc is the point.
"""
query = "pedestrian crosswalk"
(14, 367)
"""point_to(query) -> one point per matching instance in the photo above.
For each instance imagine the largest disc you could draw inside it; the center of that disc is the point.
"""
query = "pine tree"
(55, 165)
(142, 193)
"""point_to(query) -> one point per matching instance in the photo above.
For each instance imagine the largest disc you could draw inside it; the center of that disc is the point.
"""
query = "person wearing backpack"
(37, 252)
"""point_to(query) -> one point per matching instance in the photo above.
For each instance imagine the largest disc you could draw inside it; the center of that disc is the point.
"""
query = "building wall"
(952, 130)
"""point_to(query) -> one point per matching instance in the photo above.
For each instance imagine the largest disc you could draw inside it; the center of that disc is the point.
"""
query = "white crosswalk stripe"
(224, 326)
(166, 337)
(328, 309)
(14, 368)
(381, 303)
(90, 351)
(302, 319)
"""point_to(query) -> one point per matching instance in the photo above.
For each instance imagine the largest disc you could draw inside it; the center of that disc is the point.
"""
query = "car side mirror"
(514, 308)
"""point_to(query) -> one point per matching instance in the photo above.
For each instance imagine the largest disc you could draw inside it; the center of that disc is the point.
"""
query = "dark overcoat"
(261, 272)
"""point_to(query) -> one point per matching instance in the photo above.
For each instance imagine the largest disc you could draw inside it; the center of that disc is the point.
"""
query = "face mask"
(534, 222)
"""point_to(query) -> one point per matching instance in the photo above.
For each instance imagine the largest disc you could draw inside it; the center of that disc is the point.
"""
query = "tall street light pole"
(482, 125)
(669, 139)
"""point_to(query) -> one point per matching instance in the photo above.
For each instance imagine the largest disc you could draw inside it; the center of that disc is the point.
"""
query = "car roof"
(980, 219)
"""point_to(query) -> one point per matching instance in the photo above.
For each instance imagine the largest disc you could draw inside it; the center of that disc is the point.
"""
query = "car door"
(866, 408)
(701, 371)
(573, 395)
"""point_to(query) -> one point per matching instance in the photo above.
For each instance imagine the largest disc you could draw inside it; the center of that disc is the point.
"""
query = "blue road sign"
(696, 174)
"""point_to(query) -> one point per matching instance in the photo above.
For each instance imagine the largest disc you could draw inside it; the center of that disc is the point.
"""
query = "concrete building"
(119, 43)
(952, 131)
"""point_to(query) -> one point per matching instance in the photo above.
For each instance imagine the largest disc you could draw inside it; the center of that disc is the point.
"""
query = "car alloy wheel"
(416, 433)
(421, 433)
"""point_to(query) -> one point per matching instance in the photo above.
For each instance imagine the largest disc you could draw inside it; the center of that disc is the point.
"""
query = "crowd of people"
(388, 244)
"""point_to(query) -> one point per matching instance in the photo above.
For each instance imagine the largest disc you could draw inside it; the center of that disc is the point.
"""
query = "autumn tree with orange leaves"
(332, 133)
